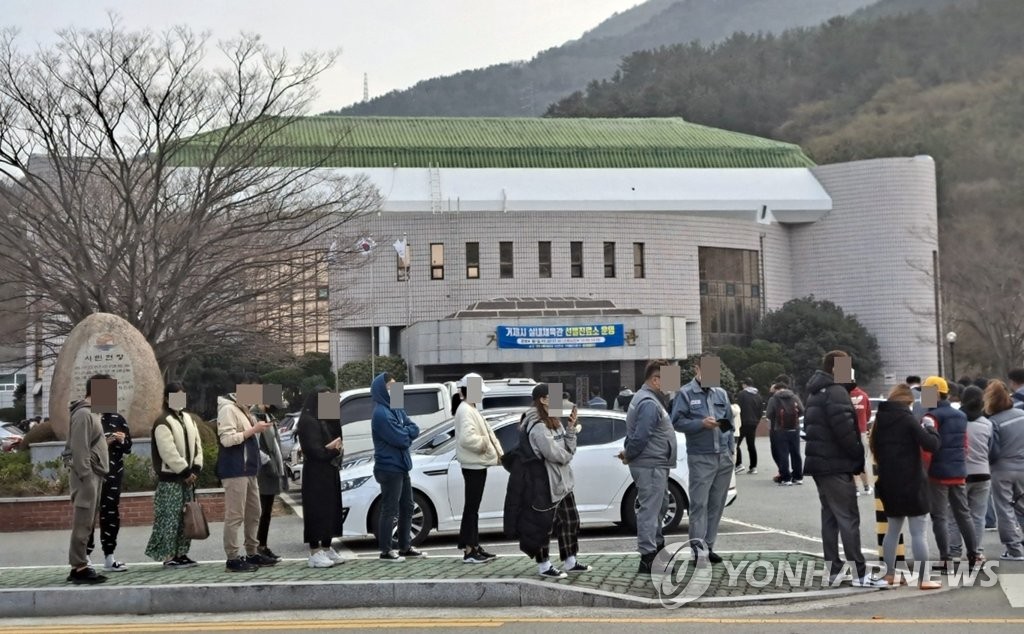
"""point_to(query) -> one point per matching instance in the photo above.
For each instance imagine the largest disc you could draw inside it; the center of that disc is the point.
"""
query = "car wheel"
(677, 505)
(422, 518)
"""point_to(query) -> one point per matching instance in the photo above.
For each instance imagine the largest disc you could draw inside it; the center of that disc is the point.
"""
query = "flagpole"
(408, 313)
(373, 309)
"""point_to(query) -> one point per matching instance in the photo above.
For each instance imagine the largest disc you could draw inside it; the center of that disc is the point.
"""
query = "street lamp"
(951, 339)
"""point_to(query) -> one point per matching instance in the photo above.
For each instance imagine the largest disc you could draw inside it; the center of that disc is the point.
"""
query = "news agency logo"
(682, 574)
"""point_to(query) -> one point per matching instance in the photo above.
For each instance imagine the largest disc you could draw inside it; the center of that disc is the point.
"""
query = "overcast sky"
(397, 42)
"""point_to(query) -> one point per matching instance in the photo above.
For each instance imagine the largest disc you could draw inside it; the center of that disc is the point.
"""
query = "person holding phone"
(119, 444)
(704, 414)
(555, 445)
(238, 463)
(322, 517)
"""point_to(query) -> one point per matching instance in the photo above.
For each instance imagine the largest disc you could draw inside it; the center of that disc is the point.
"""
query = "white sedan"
(604, 488)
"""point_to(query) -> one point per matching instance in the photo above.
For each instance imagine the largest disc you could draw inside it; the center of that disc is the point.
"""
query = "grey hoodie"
(1008, 430)
(556, 447)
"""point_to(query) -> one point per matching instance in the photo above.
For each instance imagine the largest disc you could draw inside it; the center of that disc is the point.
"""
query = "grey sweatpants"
(651, 486)
(710, 475)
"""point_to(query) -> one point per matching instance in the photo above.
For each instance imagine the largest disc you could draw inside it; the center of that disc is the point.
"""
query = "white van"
(427, 404)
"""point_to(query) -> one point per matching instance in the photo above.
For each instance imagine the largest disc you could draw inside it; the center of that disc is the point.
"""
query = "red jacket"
(862, 407)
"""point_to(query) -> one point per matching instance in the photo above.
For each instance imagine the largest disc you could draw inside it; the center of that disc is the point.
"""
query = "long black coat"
(898, 439)
(321, 484)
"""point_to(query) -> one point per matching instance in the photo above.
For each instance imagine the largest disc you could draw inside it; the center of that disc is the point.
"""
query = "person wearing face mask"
(393, 432)
(897, 440)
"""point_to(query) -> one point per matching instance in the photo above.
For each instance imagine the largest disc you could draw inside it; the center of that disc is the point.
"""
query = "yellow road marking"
(324, 624)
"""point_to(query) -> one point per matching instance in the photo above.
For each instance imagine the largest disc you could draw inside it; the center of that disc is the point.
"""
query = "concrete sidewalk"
(33, 573)
(438, 581)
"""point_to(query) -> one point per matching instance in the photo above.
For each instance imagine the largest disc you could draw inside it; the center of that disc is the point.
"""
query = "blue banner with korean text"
(590, 336)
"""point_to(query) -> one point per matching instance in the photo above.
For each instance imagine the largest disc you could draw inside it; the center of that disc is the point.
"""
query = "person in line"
(476, 449)
(897, 441)
(650, 451)
(751, 410)
(862, 408)
(1016, 377)
(834, 455)
(595, 399)
(270, 479)
(980, 453)
(947, 475)
(322, 447)
(555, 445)
(704, 414)
(784, 410)
(177, 454)
(238, 464)
(86, 448)
(393, 432)
(622, 400)
(119, 444)
(1008, 469)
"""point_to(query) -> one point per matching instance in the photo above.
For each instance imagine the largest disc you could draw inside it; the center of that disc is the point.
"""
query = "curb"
(221, 598)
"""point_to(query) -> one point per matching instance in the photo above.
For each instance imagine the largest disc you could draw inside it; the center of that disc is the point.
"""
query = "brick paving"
(612, 573)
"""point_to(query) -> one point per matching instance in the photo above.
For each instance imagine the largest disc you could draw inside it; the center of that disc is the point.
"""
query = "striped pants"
(110, 512)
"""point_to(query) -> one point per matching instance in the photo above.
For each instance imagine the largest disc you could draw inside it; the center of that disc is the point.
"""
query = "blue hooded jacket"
(392, 429)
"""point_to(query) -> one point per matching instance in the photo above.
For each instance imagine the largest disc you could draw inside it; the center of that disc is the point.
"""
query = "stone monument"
(107, 344)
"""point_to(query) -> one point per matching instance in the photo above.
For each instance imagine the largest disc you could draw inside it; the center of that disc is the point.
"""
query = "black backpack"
(788, 415)
(521, 453)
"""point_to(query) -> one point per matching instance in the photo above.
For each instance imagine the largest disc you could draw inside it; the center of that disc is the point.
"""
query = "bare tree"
(149, 184)
(983, 286)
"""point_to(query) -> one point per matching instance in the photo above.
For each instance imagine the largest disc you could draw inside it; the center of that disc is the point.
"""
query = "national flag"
(366, 245)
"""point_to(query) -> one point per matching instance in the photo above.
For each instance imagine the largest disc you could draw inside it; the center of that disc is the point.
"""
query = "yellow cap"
(938, 382)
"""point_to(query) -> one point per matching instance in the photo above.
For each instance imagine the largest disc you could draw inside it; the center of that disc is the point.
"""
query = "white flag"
(400, 249)
(332, 253)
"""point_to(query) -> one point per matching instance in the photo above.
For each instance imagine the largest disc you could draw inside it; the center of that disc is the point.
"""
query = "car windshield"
(442, 438)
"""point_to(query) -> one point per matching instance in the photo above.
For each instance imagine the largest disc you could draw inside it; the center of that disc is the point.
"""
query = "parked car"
(427, 404)
(10, 436)
(604, 489)
(506, 393)
(287, 428)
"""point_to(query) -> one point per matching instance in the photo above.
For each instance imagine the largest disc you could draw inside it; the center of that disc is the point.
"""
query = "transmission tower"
(366, 87)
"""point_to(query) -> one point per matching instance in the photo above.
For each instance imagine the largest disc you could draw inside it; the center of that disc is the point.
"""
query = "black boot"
(646, 561)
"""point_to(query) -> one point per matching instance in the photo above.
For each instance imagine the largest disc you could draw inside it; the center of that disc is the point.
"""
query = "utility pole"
(366, 87)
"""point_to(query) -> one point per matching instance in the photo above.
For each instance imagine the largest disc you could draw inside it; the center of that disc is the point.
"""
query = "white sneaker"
(868, 581)
(333, 556)
(112, 565)
(319, 559)
(752, 471)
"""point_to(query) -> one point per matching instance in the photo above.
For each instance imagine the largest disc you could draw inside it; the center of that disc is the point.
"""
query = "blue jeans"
(395, 504)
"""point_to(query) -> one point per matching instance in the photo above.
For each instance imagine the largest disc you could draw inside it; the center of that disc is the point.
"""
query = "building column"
(627, 375)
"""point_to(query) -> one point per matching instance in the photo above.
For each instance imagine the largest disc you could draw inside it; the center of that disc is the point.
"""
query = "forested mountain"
(526, 88)
(949, 83)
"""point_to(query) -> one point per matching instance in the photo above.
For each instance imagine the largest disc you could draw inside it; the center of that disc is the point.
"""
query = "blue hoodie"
(392, 429)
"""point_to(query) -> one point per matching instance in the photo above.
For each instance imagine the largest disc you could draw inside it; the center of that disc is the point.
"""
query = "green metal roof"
(472, 142)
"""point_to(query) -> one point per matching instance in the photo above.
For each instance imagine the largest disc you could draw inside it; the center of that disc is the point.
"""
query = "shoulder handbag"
(195, 524)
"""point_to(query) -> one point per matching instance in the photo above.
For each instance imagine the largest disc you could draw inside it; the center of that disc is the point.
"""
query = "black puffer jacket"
(833, 441)
(897, 439)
